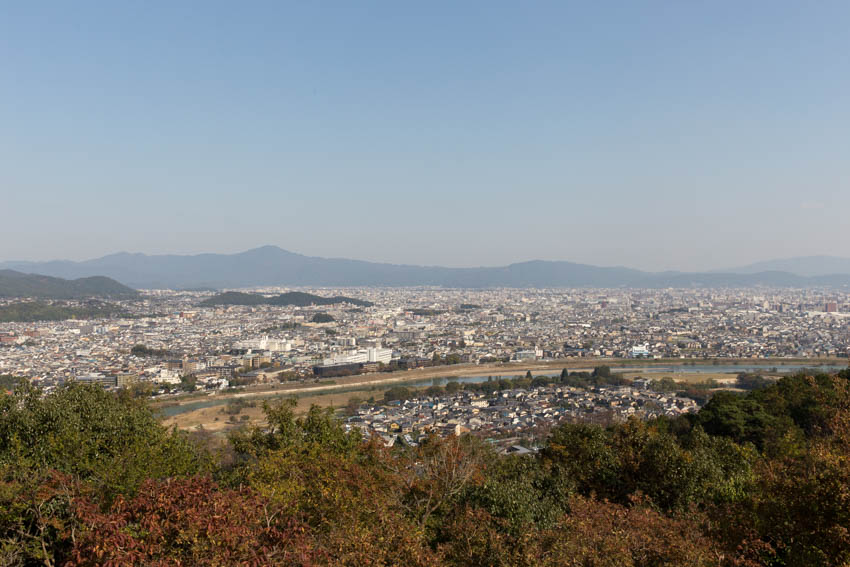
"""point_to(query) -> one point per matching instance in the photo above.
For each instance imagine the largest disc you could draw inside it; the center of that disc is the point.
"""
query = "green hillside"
(17, 284)
(31, 311)
(296, 298)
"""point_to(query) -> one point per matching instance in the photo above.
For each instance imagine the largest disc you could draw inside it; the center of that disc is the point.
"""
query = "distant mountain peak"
(273, 266)
(267, 249)
(807, 266)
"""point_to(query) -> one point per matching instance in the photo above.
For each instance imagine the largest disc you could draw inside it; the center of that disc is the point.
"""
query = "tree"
(438, 472)
(36, 517)
(752, 381)
(609, 535)
(745, 419)
(519, 491)
(353, 405)
(112, 440)
(798, 512)
(190, 522)
(142, 350)
(188, 383)
(9, 382)
(640, 458)
(603, 371)
(583, 455)
(397, 393)
(665, 384)
(318, 429)
(351, 502)
(434, 391)
(139, 350)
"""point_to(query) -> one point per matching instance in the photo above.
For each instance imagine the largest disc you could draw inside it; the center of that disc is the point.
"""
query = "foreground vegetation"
(88, 477)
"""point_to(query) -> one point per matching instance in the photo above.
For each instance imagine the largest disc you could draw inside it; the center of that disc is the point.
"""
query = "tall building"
(375, 354)
(124, 379)
(96, 378)
(384, 355)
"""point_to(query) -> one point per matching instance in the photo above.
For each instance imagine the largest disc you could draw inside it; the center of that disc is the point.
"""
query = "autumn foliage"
(89, 478)
(189, 521)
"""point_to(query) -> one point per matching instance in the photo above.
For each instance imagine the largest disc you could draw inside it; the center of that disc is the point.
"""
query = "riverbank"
(207, 410)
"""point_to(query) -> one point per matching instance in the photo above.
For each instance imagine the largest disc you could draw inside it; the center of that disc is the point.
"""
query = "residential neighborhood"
(410, 327)
(511, 413)
(167, 337)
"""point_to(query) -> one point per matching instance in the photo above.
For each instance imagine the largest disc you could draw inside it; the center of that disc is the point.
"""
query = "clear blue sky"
(683, 135)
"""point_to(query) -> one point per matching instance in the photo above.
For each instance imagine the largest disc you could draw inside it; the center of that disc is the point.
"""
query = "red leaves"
(189, 522)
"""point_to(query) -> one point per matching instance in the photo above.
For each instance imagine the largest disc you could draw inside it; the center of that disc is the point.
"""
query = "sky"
(655, 135)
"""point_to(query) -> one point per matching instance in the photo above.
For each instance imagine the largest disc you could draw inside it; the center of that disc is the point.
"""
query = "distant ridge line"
(273, 266)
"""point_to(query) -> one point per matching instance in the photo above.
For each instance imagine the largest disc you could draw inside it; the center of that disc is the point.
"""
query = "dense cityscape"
(410, 327)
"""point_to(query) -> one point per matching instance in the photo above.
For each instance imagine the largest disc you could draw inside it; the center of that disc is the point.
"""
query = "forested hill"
(29, 311)
(296, 298)
(17, 284)
(90, 477)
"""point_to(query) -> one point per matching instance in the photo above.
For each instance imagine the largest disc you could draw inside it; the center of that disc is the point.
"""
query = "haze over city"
(654, 135)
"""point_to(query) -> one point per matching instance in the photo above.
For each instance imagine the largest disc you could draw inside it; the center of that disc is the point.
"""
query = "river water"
(655, 369)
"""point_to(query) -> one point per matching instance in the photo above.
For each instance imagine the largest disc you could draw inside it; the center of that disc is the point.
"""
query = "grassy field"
(720, 377)
(215, 418)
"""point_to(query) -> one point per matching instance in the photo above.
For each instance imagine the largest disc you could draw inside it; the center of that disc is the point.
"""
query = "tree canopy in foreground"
(89, 478)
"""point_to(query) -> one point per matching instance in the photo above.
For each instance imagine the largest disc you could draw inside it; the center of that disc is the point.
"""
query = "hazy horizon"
(470, 265)
(656, 136)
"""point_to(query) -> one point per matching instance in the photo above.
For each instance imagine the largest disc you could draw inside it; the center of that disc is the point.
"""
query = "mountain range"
(273, 266)
(810, 266)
